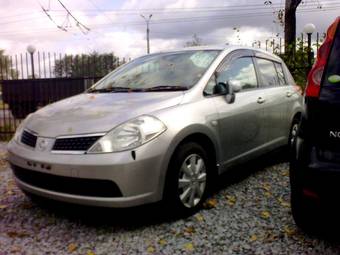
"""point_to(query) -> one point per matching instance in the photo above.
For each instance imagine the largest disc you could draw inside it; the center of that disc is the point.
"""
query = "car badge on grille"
(42, 144)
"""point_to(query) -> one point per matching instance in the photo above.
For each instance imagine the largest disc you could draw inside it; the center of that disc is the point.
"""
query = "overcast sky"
(116, 26)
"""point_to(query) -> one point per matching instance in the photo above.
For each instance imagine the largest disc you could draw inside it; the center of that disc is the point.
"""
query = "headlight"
(129, 135)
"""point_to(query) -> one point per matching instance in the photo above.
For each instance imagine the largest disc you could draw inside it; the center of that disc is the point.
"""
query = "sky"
(117, 26)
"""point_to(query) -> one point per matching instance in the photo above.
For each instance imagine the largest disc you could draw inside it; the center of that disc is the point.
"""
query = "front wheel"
(188, 179)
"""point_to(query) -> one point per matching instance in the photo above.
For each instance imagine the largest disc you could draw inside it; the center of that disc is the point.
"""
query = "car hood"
(96, 113)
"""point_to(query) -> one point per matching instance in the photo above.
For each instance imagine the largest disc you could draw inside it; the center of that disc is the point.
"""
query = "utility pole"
(147, 20)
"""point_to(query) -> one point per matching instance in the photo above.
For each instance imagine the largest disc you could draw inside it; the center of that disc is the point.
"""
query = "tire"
(300, 212)
(306, 212)
(185, 190)
(293, 132)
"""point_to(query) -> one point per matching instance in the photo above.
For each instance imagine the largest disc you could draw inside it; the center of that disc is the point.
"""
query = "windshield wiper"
(112, 89)
(126, 89)
(166, 88)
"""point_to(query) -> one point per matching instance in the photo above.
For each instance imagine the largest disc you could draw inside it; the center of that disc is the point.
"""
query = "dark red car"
(315, 159)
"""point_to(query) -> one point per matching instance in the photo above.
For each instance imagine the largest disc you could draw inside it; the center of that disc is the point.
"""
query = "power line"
(100, 11)
(53, 21)
(316, 3)
(179, 10)
(202, 18)
(199, 9)
(84, 29)
(244, 11)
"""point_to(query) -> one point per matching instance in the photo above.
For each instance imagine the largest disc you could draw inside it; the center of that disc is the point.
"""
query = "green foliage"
(7, 71)
(6, 132)
(93, 65)
(297, 62)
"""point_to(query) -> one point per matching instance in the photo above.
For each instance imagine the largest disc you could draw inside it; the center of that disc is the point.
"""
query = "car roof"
(227, 48)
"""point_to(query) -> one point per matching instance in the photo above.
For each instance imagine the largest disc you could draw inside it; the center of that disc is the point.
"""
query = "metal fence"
(31, 81)
(276, 45)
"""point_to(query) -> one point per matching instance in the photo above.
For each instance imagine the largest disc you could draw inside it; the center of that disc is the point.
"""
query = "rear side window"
(268, 73)
(332, 74)
(280, 73)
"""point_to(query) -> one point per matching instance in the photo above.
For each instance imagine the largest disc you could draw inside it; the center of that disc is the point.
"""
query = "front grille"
(68, 185)
(28, 139)
(75, 144)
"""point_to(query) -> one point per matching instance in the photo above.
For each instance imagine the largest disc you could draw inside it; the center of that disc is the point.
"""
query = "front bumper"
(138, 180)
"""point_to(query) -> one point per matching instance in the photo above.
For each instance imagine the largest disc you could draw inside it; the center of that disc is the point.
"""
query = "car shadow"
(127, 218)
(151, 214)
(243, 171)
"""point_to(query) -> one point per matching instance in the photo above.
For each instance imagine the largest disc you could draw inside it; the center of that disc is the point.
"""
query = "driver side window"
(241, 70)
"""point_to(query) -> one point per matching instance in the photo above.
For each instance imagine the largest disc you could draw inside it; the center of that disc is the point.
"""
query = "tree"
(90, 65)
(290, 23)
(6, 70)
(196, 41)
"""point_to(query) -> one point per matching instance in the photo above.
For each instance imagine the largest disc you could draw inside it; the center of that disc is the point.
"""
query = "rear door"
(276, 96)
(326, 114)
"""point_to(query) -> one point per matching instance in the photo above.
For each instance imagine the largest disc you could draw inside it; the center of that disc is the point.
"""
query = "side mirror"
(233, 87)
(220, 89)
(236, 85)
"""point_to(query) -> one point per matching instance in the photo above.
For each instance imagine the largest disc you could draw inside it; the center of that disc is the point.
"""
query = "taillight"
(315, 74)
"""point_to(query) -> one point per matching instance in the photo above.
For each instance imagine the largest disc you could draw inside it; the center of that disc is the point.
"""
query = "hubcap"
(293, 133)
(192, 180)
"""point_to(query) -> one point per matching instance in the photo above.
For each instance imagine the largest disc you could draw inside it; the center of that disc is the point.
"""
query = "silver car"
(160, 127)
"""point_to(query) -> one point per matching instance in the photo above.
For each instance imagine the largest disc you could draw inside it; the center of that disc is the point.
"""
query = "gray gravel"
(248, 216)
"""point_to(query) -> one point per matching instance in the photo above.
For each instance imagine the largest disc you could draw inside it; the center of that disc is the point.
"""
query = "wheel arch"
(296, 115)
(198, 134)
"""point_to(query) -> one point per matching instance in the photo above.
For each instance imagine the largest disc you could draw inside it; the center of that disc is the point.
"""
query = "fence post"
(39, 69)
(49, 63)
(44, 62)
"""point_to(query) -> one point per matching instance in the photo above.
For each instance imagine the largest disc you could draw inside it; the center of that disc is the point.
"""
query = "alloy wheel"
(294, 133)
(192, 180)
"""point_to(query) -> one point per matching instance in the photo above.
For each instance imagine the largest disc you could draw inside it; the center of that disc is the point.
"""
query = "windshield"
(162, 71)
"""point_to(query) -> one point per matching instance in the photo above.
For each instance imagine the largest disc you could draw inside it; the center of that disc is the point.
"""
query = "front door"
(240, 123)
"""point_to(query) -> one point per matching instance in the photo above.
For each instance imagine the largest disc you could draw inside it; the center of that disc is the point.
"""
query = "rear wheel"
(293, 132)
(188, 179)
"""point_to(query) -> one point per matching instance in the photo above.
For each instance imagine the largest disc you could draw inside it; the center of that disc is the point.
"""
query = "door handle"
(289, 94)
(260, 100)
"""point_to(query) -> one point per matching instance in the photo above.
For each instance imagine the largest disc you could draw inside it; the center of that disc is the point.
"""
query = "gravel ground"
(248, 215)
